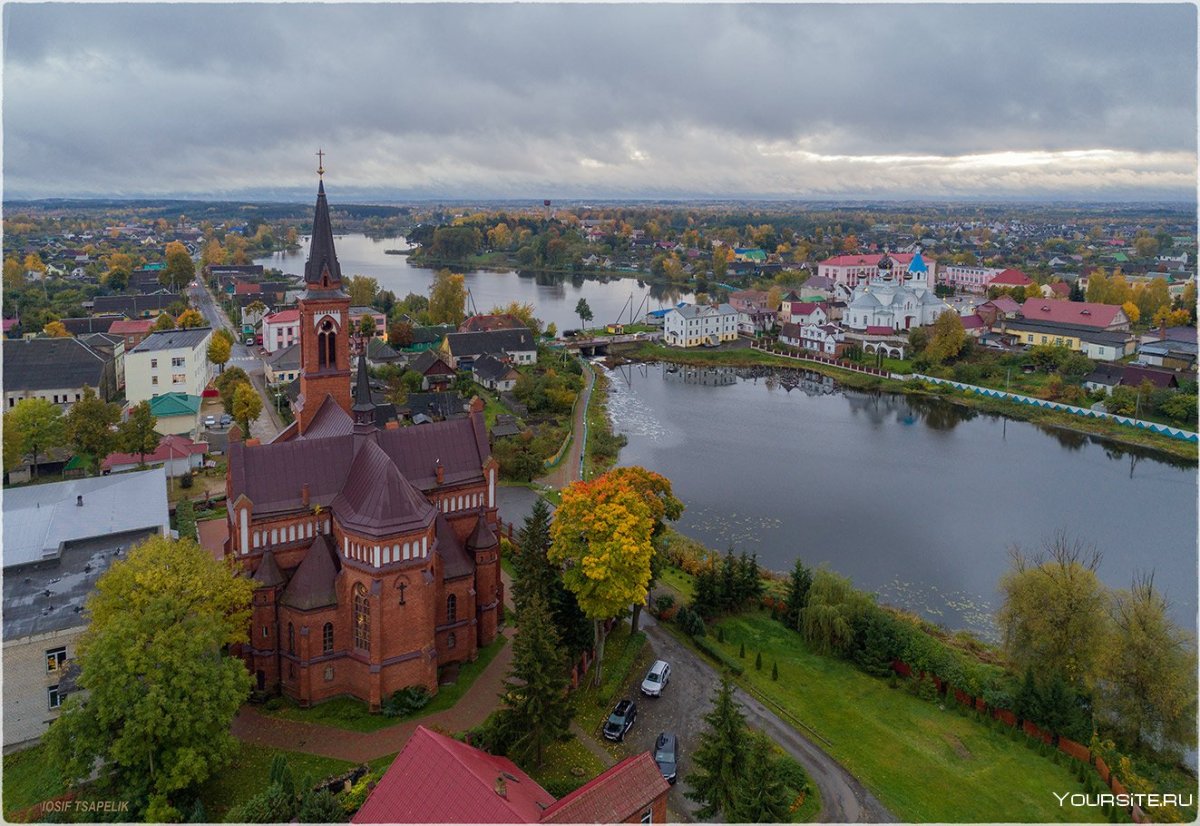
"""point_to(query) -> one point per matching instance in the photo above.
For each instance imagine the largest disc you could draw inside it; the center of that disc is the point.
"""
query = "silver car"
(656, 678)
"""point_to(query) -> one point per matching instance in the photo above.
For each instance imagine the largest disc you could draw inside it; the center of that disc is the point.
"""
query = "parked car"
(226, 420)
(656, 678)
(621, 720)
(249, 341)
(666, 755)
(210, 421)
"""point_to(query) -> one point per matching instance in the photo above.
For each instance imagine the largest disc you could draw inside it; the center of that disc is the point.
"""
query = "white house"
(807, 312)
(281, 329)
(894, 300)
(822, 338)
(693, 325)
(168, 361)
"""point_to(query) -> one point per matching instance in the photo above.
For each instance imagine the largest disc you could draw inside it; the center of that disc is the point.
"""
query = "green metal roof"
(175, 404)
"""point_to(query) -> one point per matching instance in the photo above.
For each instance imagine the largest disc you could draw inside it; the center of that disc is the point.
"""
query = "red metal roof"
(1011, 278)
(874, 330)
(1070, 312)
(972, 322)
(283, 317)
(169, 447)
(435, 779)
(614, 796)
(804, 307)
(246, 288)
(127, 326)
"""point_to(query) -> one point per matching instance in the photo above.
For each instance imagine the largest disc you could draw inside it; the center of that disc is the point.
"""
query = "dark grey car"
(666, 755)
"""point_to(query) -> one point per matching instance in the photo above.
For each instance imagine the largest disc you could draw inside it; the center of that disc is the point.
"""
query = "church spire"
(322, 270)
(363, 408)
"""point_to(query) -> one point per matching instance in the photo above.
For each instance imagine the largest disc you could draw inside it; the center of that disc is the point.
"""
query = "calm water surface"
(553, 295)
(918, 500)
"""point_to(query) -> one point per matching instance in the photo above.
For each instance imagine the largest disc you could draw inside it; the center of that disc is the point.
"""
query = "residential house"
(435, 407)
(807, 312)
(55, 369)
(357, 314)
(176, 454)
(132, 330)
(1097, 344)
(490, 789)
(90, 324)
(694, 325)
(1169, 353)
(1059, 290)
(494, 374)
(111, 347)
(1133, 375)
(1084, 313)
(380, 353)
(145, 281)
(283, 365)
(177, 414)
(426, 338)
(168, 361)
(996, 311)
(974, 326)
(519, 344)
(59, 538)
(136, 306)
(1105, 377)
(11, 327)
(281, 329)
(228, 273)
(436, 373)
(1010, 278)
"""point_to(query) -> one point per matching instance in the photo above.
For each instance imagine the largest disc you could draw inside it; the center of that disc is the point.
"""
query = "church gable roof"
(455, 560)
(271, 475)
(314, 584)
(482, 537)
(376, 499)
(330, 420)
(459, 445)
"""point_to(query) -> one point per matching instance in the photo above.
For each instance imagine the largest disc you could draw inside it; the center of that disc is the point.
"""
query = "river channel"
(917, 500)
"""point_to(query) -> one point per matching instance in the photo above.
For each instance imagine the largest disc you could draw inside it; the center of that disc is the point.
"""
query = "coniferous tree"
(728, 581)
(707, 599)
(797, 594)
(535, 692)
(1028, 702)
(720, 758)
(761, 796)
(877, 643)
(534, 573)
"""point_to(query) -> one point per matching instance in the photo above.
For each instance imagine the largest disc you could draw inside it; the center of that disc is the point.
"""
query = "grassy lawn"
(29, 778)
(352, 715)
(923, 762)
(246, 775)
(565, 767)
(678, 581)
(623, 655)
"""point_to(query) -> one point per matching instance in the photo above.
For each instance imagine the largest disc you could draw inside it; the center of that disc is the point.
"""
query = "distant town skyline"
(603, 102)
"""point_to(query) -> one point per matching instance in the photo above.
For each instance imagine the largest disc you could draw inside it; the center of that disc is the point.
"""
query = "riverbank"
(746, 357)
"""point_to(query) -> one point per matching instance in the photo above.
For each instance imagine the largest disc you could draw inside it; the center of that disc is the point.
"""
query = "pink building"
(850, 270)
(281, 329)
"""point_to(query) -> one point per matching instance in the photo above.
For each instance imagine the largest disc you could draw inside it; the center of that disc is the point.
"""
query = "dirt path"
(568, 470)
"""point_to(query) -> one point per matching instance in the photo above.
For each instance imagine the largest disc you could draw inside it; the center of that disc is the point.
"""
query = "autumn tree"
(190, 318)
(774, 297)
(1166, 317)
(219, 351)
(447, 300)
(1145, 247)
(720, 757)
(180, 268)
(56, 329)
(400, 334)
(602, 535)
(227, 384)
(1148, 691)
(1152, 297)
(14, 274)
(362, 290)
(137, 433)
(33, 263)
(1054, 612)
(522, 311)
(90, 426)
(158, 692)
(948, 337)
(213, 253)
(1132, 312)
(163, 322)
(247, 404)
(720, 261)
(535, 699)
(36, 426)
(499, 236)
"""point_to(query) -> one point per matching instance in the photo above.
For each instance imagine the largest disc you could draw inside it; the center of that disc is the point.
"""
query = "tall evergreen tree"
(1028, 701)
(797, 594)
(535, 692)
(761, 796)
(535, 575)
(876, 642)
(729, 581)
(706, 600)
(720, 759)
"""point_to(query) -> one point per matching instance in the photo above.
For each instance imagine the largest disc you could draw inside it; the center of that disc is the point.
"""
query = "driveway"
(681, 709)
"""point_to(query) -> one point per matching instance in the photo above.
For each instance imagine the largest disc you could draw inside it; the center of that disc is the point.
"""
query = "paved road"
(681, 709)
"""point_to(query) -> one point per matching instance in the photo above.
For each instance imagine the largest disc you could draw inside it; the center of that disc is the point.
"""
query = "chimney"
(1162, 331)
(392, 425)
(252, 442)
(304, 494)
(476, 404)
(441, 471)
(501, 787)
(79, 501)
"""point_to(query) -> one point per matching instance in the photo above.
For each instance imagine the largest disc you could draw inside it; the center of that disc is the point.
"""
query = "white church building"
(895, 299)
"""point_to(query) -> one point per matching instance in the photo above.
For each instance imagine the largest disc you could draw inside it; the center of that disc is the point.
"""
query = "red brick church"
(373, 550)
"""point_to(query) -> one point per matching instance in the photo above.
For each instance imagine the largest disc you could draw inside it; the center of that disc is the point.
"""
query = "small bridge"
(598, 345)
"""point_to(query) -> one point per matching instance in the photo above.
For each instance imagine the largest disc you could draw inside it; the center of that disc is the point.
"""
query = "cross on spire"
(321, 163)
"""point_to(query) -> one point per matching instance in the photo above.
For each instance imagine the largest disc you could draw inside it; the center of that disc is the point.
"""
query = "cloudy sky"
(601, 101)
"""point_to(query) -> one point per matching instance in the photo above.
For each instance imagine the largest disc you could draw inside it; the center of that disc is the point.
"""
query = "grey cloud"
(178, 98)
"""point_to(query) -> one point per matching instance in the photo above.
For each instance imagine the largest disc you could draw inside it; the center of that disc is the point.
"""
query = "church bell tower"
(324, 321)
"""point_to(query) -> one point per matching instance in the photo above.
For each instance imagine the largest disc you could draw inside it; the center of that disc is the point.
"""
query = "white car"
(210, 421)
(656, 678)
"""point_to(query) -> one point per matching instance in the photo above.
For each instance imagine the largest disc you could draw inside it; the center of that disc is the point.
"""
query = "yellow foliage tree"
(56, 329)
(188, 319)
(1132, 311)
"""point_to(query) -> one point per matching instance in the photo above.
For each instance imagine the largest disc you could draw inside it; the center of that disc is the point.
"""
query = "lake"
(553, 295)
(916, 499)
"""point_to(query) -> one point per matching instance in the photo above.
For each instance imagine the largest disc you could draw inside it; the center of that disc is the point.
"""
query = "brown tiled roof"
(268, 574)
(614, 796)
(455, 561)
(376, 499)
(314, 584)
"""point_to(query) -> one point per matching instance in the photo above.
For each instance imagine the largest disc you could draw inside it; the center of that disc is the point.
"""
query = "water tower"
(546, 204)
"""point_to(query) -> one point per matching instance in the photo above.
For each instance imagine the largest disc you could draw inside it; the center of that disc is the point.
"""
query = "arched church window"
(291, 639)
(327, 638)
(451, 608)
(362, 618)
